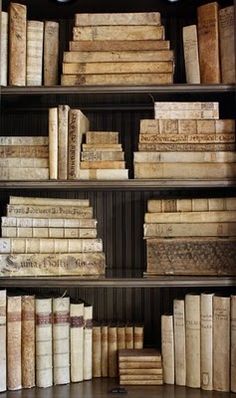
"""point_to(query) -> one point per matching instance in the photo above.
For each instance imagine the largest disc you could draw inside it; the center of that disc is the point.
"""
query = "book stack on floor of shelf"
(118, 49)
(209, 46)
(29, 49)
(140, 367)
(186, 140)
(191, 236)
(108, 340)
(198, 342)
(47, 236)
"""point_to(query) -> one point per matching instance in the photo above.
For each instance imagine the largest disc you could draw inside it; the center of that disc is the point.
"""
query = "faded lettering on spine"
(51, 53)
(34, 57)
(191, 54)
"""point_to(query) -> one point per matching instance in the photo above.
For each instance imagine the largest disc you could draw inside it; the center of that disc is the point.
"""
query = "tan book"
(179, 342)
(53, 142)
(63, 123)
(51, 53)
(142, 382)
(121, 343)
(129, 337)
(221, 343)
(191, 59)
(192, 329)
(140, 18)
(104, 174)
(57, 264)
(208, 39)
(3, 340)
(4, 48)
(34, 53)
(24, 140)
(14, 370)
(88, 339)
(28, 200)
(193, 256)
(176, 147)
(167, 348)
(116, 79)
(207, 341)
(33, 232)
(95, 156)
(24, 163)
(146, 355)
(102, 137)
(191, 205)
(102, 147)
(102, 164)
(43, 340)
(141, 377)
(186, 113)
(17, 44)
(119, 45)
(191, 217)
(233, 344)
(61, 340)
(117, 67)
(24, 173)
(142, 372)
(112, 351)
(118, 56)
(140, 365)
(187, 138)
(76, 341)
(97, 351)
(14, 151)
(104, 343)
(207, 171)
(138, 336)
(48, 222)
(111, 32)
(28, 341)
(49, 211)
(227, 44)
(78, 125)
(179, 157)
(187, 105)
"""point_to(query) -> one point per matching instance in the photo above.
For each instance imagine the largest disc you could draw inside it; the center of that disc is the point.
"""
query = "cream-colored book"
(4, 48)
(90, 156)
(203, 138)
(179, 342)
(102, 137)
(28, 151)
(191, 105)
(43, 340)
(3, 340)
(186, 113)
(227, 44)
(191, 59)
(24, 173)
(53, 142)
(34, 53)
(23, 140)
(233, 344)
(129, 337)
(14, 370)
(88, 342)
(121, 343)
(191, 205)
(191, 217)
(57, 233)
(76, 341)
(51, 53)
(180, 147)
(48, 222)
(102, 147)
(140, 18)
(104, 174)
(104, 164)
(112, 351)
(116, 79)
(104, 350)
(24, 163)
(167, 348)
(61, 340)
(221, 343)
(25, 200)
(119, 45)
(49, 211)
(63, 127)
(179, 157)
(192, 330)
(138, 336)
(97, 351)
(207, 341)
(28, 341)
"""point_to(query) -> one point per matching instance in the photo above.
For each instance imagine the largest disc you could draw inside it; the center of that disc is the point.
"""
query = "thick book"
(43, 340)
(34, 53)
(146, 355)
(179, 157)
(138, 336)
(227, 44)
(191, 205)
(102, 137)
(63, 128)
(97, 351)
(104, 164)
(208, 39)
(179, 342)
(47, 232)
(118, 56)
(119, 45)
(24, 163)
(88, 343)
(104, 174)
(14, 367)
(137, 378)
(207, 341)
(23, 140)
(112, 351)
(4, 48)
(102, 147)
(49, 222)
(193, 337)
(177, 147)
(187, 138)
(24, 173)
(92, 156)
(104, 350)
(116, 79)
(17, 44)
(167, 348)
(28, 341)
(191, 217)
(129, 337)
(191, 58)
(76, 341)
(28, 200)
(24, 151)
(53, 142)
(140, 18)
(233, 344)
(61, 340)
(3, 340)
(49, 211)
(51, 53)
(221, 343)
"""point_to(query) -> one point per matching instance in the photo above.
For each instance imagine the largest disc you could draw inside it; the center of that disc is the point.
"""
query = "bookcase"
(123, 294)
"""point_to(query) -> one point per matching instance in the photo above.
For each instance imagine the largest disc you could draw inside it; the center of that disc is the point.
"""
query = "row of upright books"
(199, 342)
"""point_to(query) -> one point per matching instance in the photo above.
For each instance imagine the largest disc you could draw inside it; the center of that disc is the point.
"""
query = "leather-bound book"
(227, 44)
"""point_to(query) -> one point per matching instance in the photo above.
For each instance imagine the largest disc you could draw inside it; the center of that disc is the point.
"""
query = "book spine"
(3, 341)
(192, 316)
(207, 341)
(138, 337)
(43, 338)
(49, 222)
(26, 173)
(179, 343)
(97, 351)
(103, 174)
(57, 233)
(176, 147)
(34, 55)
(141, 382)
(112, 351)
(115, 78)
(150, 18)
(28, 342)
(119, 45)
(191, 205)
(49, 211)
(186, 114)
(102, 147)
(4, 48)
(24, 163)
(14, 372)
(61, 340)
(51, 53)
(76, 341)
(227, 44)
(167, 348)
(129, 337)
(104, 349)
(221, 343)
(23, 140)
(233, 344)
(88, 339)
(17, 44)
(101, 156)
(63, 119)
(203, 138)
(53, 143)
(187, 105)
(102, 137)
(191, 217)
(23, 200)
(106, 164)
(179, 157)
(191, 59)
(121, 340)
(29, 151)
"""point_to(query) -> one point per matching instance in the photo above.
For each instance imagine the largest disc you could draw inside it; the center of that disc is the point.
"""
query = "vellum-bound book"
(104, 343)
(233, 343)
(61, 340)
(167, 345)
(76, 341)
(3, 351)
(14, 373)
(97, 351)
(112, 351)
(28, 341)
(88, 336)
(207, 341)
(179, 342)
(192, 316)
(34, 56)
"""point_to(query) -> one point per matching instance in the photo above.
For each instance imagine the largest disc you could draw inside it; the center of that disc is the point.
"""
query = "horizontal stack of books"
(187, 140)
(191, 236)
(199, 342)
(140, 367)
(47, 236)
(29, 49)
(108, 340)
(118, 49)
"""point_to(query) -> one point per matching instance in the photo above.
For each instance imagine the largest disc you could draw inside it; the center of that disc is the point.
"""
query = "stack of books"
(47, 236)
(191, 236)
(187, 140)
(199, 342)
(29, 49)
(108, 340)
(140, 367)
(118, 49)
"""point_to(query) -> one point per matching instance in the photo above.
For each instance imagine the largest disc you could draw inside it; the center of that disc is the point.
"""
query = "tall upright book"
(192, 325)
(227, 44)
(28, 341)
(179, 342)
(104, 344)
(63, 118)
(233, 344)
(191, 58)
(76, 341)
(4, 48)
(14, 373)
(53, 143)
(88, 338)
(51, 53)
(34, 55)
(207, 341)
(167, 348)
(112, 351)
(97, 351)
(3, 334)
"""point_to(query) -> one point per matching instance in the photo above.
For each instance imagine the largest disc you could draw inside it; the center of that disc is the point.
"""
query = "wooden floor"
(99, 388)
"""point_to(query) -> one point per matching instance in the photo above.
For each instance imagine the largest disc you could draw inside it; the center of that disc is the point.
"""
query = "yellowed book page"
(117, 79)
(140, 18)
(76, 341)
(17, 44)
(191, 58)
(97, 351)
(112, 32)
(3, 340)
(192, 316)
(4, 48)
(118, 56)
(167, 348)
(179, 342)
(51, 53)
(34, 54)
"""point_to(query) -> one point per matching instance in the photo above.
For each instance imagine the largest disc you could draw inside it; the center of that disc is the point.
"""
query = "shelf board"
(127, 185)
